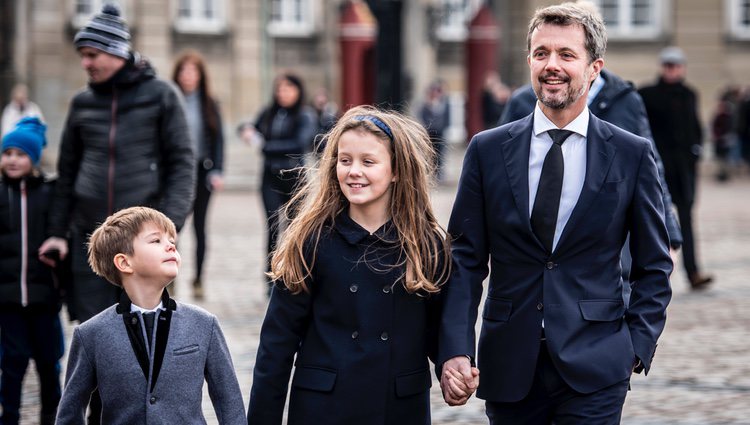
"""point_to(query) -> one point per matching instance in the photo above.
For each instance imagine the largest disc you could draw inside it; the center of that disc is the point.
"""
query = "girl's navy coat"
(362, 342)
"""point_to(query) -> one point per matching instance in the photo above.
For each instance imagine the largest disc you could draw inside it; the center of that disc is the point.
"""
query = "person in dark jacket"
(357, 273)
(29, 291)
(288, 129)
(125, 143)
(204, 121)
(434, 114)
(672, 109)
(617, 102)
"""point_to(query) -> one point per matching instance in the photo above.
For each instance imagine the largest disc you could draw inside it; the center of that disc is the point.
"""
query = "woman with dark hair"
(287, 128)
(204, 120)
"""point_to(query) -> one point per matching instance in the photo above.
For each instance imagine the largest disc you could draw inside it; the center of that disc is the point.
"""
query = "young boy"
(29, 293)
(148, 355)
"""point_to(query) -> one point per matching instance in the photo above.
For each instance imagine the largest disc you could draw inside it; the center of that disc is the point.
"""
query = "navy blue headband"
(380, 124)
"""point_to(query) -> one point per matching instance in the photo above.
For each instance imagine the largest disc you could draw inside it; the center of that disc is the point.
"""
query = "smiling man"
(546, 202)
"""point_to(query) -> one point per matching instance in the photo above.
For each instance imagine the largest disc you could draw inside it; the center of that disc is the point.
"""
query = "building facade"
(246, 42)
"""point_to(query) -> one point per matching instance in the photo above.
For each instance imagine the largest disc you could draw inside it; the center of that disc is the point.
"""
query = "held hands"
(458, 381)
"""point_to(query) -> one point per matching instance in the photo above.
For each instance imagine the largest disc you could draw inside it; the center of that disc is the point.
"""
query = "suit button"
(353, 288)
(355, 334)
(152, 400)
(539, 306)
(133, 321)
(386, 289)
(384, 336)
(550, 265)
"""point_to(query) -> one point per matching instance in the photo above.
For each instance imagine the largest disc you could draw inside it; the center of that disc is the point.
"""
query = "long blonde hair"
(423, 242)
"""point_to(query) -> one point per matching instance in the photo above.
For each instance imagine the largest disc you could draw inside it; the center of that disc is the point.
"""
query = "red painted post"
(481, 51)
(358, 31)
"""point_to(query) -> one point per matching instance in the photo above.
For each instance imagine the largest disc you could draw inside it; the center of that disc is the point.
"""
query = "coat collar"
(123, 307)
(354, 234)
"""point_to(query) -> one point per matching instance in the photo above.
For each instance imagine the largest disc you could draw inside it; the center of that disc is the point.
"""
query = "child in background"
(148, 355)
(356, 282)
(29, 292)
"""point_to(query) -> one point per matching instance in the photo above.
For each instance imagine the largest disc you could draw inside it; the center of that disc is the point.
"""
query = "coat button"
(386, 289)
(152, 400)
(384, 336)
(353, 288)
(550, 265)
(539, 306)
(355, 334)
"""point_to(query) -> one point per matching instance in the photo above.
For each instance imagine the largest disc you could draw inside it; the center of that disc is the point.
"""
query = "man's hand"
(458, 381)
(53, 244)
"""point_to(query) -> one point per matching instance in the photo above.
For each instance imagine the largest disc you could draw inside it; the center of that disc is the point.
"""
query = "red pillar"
(357, 38)
(481, 50)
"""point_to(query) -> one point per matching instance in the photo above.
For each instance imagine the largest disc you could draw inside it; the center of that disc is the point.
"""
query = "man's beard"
(558, 102)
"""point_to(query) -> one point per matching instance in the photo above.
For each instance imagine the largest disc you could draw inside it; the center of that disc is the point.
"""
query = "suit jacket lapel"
(599, 156)
(516, 155)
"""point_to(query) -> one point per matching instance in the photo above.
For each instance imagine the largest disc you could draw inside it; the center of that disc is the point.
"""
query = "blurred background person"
(326, 114)
(723, 133)
(495, 95)
(30, 299)
(434, 114)
(19, 107)
(207, 136)
(672, 109)
(287, 128)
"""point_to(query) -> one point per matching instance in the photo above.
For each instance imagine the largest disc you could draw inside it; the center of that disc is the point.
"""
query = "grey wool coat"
(163, 385)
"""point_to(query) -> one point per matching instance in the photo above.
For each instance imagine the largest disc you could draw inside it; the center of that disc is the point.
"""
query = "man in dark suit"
(617, 102)
(549, 210)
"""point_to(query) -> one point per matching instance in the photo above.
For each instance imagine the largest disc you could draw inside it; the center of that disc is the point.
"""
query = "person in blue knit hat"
(28, 136)
(29, 294)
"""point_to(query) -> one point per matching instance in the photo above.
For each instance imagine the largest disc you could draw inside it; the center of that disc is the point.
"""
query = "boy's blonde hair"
(116, 236)
(423, 242)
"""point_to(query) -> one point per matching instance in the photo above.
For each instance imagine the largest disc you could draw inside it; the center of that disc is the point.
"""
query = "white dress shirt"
(574, 158)
(134, 308)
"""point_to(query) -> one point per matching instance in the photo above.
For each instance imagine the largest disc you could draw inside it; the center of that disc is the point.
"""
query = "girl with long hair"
(204, 120)
(357, 277)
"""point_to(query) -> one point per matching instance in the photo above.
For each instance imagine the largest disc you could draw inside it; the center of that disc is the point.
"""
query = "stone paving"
(701, 373)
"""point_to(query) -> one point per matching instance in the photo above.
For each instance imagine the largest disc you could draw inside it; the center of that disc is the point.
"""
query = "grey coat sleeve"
(223, 387)
(80, 381)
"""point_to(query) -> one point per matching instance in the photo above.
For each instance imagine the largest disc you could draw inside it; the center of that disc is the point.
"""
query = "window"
(84, 10)
(200, 16)
(633, 19)
(738, 16)
(291, 18)
(454, 18)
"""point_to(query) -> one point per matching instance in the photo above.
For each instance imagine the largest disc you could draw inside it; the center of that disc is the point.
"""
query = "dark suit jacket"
(361, 341)
(591, 337)
(617, 103)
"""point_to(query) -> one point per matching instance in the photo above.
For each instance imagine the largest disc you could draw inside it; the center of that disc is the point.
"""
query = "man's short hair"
(116, 236)
(582, 13)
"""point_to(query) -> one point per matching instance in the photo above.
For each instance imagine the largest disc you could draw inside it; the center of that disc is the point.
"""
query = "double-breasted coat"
(361, 341)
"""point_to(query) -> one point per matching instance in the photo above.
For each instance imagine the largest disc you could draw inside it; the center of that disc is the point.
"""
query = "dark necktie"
(148, 321)
(547, 200)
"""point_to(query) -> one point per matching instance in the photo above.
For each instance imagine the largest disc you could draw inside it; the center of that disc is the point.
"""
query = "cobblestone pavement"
(701, 373)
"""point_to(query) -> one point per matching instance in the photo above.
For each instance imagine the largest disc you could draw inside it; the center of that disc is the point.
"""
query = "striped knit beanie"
(107, 32)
